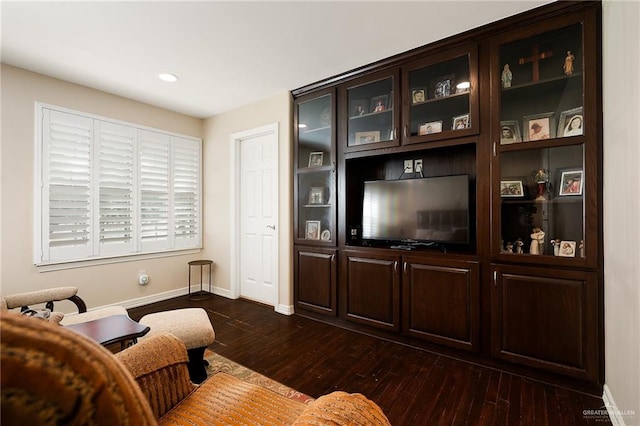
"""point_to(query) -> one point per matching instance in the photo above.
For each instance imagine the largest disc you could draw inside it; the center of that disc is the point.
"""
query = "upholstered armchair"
(24, 301)
(55, 376)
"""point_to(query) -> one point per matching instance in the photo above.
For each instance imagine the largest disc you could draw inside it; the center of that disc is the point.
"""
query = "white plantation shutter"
(108, 189)
(154, 190)
(115, 159)
(186, 195)
(67, 195)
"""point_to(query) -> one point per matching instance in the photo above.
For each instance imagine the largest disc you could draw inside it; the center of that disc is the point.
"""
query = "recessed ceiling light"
(167, 77)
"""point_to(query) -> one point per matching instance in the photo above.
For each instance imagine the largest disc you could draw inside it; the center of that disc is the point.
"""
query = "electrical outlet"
(418, 165)
(408, 166)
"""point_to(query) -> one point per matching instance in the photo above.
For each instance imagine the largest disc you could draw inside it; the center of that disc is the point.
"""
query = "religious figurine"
(537, 241)
(542, 179)
(509, 247)
(519, 245)
(507, 76)
(581, 248)
(556, 247)
(568, 63)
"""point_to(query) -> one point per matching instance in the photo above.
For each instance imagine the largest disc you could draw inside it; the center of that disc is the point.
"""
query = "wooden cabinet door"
(370, 286)
(440, 301)
(546, 319)
(315, 279)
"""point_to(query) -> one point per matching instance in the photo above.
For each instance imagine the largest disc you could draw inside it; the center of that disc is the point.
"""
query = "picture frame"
(379, 103)
(316, 195)
(442, 86)
(567, 249)
(571, 123)
(363, 138)
(511, 188)
(571, 183)
(539, 127)
(509, 132)
(325, 235)
(461, 122)
(418, 95)
(358, 107)
(316, 158)
(430, 127)
(312, 230)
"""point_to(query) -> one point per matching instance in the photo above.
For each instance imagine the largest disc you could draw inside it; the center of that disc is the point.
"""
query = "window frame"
(192, 243)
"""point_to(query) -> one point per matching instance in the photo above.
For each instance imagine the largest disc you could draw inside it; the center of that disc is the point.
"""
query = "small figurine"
(509, 247)
(507, 76)
(519, 245)
(581, 248)
(502, 249)
(568, 63)
(537, 241)
(542, 179)
(556, 247)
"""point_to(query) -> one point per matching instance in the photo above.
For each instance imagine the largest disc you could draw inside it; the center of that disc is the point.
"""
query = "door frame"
(235, 219)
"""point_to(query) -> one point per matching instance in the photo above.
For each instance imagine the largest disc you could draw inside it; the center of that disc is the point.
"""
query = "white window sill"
(61, 265)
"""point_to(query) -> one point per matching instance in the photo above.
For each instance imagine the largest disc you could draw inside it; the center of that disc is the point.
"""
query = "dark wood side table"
(202, 294)
(111, 329)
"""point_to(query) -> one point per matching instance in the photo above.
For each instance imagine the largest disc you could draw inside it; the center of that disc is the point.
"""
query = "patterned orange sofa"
(52, 375)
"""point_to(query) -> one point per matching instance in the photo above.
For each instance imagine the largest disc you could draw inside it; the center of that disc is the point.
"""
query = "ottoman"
(193, 327)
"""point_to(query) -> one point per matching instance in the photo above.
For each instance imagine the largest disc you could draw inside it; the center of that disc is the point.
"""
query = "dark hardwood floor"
(412, 386)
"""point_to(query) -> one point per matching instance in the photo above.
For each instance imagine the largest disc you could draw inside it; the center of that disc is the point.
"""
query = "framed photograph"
(539, 127)
(571, 123)
(312, 230)
(511, 188)
(571, 183)
(379, 103)
(567, 249)
(316, 195)
(431, 127)
(359, 107)
(363, 138)
(509, 132)
(461, 122)
(418, 95)
(442, 86)
(315, 159)
(326, 235)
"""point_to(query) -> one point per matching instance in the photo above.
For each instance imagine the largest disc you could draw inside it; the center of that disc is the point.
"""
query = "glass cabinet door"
(315, 169)
(371, 113)
(440, 95)
(541, 148)
(541, 84)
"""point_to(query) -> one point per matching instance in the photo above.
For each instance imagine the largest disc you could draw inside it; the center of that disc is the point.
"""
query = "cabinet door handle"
(406, 130)
(395, 133)
(333, 259)
(495, 278)
(395, 267)
(405, 267)
(333, 167)
(495, 149)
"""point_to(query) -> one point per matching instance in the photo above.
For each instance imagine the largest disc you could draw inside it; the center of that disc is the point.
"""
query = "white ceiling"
(226, 54)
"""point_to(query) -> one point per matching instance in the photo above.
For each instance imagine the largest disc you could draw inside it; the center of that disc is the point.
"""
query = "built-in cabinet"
(516, 106)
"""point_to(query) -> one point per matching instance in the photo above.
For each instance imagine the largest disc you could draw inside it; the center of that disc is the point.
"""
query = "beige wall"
(217, 196)
(99, 285)
(621, 44)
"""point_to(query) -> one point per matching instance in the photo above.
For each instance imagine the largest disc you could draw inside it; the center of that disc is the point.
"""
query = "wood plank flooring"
(412, 386)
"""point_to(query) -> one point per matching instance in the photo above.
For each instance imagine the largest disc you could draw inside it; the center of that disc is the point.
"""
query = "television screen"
(434, 209)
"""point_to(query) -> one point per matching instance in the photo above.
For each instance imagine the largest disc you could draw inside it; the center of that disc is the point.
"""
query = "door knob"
(271, 227)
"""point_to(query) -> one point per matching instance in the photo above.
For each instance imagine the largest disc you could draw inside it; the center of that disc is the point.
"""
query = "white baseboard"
(284, 309)
(159, 297)
(612, 409)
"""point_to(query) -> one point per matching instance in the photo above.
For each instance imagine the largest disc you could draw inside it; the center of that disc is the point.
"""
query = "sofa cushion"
(224, 399)
(341, 408)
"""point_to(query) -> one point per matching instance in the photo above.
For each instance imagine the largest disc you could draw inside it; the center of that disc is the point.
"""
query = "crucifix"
(535, 57)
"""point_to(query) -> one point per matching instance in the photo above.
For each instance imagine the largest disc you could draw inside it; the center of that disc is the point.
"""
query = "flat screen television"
(432, 210)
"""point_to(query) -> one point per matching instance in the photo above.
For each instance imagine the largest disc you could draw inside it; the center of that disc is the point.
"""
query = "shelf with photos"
(543, 129)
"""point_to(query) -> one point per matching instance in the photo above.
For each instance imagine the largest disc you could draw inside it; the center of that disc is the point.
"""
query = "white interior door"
(258, 218)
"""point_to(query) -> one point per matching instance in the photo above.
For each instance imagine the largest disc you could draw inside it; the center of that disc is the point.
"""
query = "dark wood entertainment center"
(528, 135)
